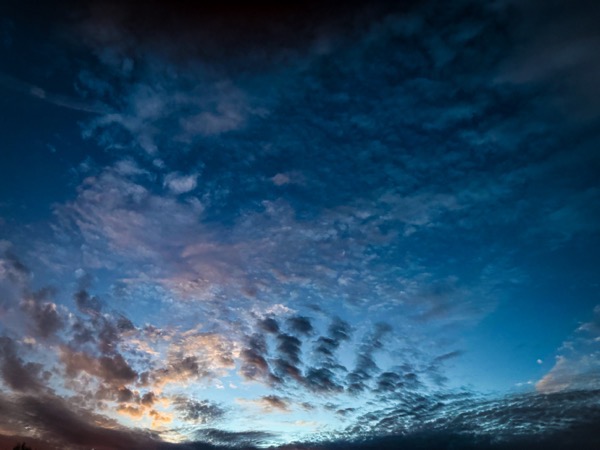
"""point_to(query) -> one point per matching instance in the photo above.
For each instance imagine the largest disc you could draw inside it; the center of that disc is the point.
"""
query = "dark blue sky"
(301, 226)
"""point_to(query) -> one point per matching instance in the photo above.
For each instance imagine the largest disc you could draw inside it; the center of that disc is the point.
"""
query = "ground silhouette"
(22, 446)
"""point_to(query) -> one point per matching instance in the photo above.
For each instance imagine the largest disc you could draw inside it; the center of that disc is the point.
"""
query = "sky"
(300, 225)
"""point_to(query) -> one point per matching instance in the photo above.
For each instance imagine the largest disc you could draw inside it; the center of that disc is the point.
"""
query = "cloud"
(56, 99)
(581, 372)
(327, 376)
(270, 403)
(556, 47)
(325, 166)
(159, 94)
(339, 331)
(396, 382)
(56, 420)
(17, 374)
(13, 269)
(45, 315)
(193, 356)
(254, 363)
(506, 422)
(180, 184)
(365, 366)
(323, 380)
(269, 324)
(236, 439)
(289, 347)
(112, 370)
(577, 366)
(37, 311)
(300, 325)
(275, 402)
(198, 411)
(87, 304)
(288, 178)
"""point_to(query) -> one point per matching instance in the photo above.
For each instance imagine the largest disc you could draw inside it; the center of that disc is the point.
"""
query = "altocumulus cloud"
(298, 226)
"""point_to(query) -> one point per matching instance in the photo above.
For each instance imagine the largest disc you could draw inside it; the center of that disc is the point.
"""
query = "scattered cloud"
(269, 403)
(180, 184)
(309, 210)
(17, 374)
(577, 365)
(198, 411)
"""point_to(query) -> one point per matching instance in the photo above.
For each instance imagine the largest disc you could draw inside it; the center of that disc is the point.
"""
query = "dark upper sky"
(300, 225)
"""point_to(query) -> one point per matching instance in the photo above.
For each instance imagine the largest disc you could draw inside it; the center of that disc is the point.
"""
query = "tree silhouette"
(21, 447)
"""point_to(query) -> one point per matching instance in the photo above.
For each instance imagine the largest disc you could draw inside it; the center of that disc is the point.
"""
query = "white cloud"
(280, 179)
(578, 367)
(180, 184)
(573, 372)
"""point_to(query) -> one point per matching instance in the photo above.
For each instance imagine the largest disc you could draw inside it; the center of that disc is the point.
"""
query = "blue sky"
(299, 226)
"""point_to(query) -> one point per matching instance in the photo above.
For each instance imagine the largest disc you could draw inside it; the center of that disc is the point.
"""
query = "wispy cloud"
(577, 365)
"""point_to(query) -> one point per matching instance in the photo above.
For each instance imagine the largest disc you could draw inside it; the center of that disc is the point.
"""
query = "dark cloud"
(86, 303)
(116, 369)
(263, 28)
(502, 421)
(289, 347)
(44, 313)
(307, 406)
(82, 332)
(198, 411)
(287, 364)
(124, 395)
(435, 369)
(365, 367)
(181, 368)
(300, 325)
(447, 356)
(254, 360)
(345, 412)
(40, 310)
(577, 438)
(286, 370)
(17, 374)
(16, 270)
(123, 324)
(113, 370)
(56, 420)
(270, 402)
(326, 346)
(269, 325)
(129, 401)
(326, 377)
(234, 439)
(340, 330)
(148, 399)
(565, 420)
(104, 331)
(254, 365)
(389, 382)
(108, 335)
(557, 42)
(322, 380)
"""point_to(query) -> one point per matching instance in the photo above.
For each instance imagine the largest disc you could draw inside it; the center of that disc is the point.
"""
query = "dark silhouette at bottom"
(21, 447)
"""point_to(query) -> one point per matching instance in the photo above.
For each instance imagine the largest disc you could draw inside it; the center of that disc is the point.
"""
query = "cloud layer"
(301, 226)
